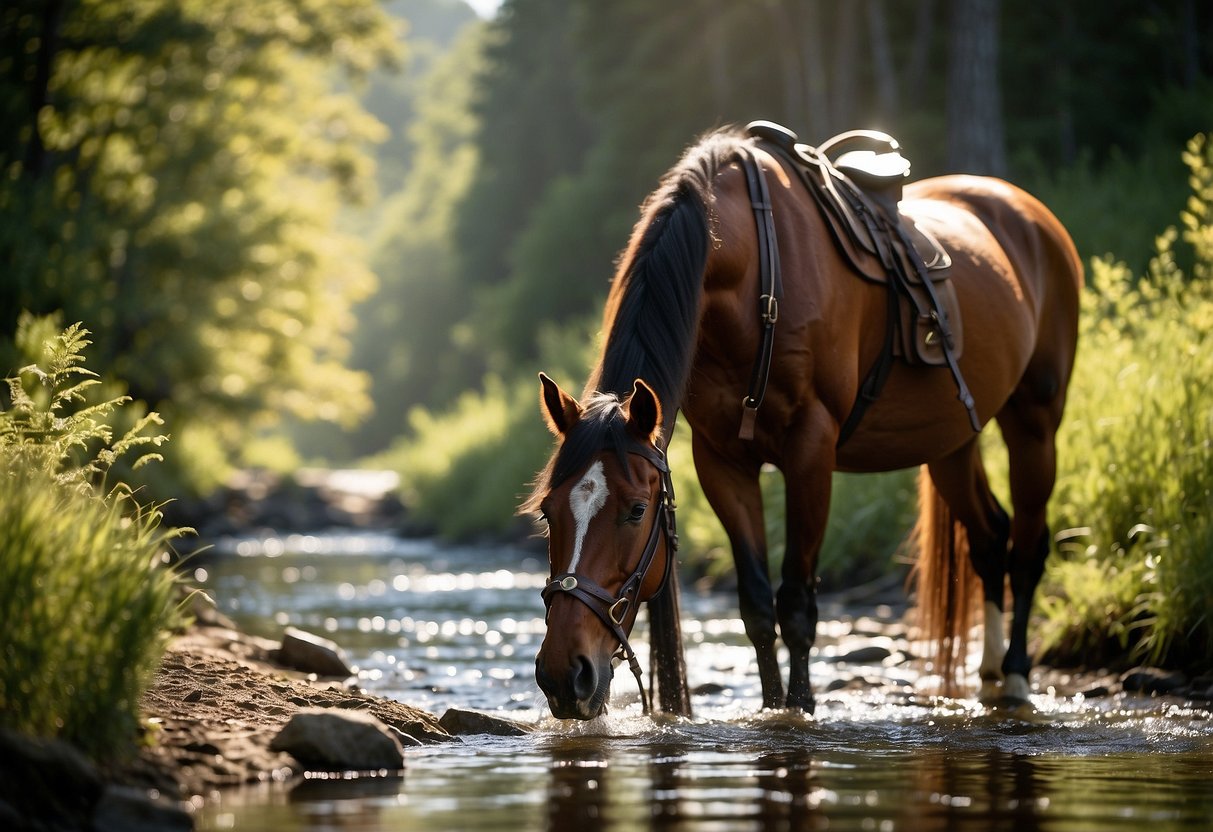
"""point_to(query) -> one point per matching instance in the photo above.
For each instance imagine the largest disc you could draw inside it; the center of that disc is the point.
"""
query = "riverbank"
(221, 696)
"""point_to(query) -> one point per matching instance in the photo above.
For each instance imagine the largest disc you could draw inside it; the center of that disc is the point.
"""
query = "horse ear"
(560, 410)
(644, 412)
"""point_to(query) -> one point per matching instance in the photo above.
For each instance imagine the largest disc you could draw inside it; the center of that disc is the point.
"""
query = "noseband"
(612, 610)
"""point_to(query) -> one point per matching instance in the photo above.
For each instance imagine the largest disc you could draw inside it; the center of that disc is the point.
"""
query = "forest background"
(335, 232)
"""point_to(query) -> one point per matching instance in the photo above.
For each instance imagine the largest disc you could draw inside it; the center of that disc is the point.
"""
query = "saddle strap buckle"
(769, 305)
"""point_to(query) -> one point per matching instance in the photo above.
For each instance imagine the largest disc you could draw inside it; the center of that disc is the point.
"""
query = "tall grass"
(86, 600)
(1134, 497)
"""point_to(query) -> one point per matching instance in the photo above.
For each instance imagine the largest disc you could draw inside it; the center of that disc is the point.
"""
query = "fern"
(52, 426)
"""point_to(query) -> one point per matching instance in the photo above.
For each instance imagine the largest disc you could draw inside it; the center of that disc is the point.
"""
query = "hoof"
(802, 703)
(991, 691)
(1016, 689)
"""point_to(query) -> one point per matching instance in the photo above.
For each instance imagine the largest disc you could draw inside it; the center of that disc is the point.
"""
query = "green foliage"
(1135, 489)
(53, 427)
(171, 170)
(405, 340)
(87, 600)
(466, 468)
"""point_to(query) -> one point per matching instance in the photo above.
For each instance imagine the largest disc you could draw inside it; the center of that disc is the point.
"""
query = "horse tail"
(667, 662)
(946, 586)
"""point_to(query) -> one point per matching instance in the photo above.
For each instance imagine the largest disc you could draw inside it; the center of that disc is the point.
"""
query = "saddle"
(858, 192)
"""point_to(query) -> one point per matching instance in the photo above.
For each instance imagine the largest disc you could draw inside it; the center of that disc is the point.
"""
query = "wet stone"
(870, 654)
(462, 722)
(332, 740)
(1152, 680)
(312, 654)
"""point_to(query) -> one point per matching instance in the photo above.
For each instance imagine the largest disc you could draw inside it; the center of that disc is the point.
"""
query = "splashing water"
(440, 627)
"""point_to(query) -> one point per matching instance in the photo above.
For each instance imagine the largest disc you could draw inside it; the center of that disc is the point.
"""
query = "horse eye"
(637, 513)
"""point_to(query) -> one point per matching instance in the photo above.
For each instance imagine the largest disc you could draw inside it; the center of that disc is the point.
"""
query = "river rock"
(869, 654)
(1152, 680)
(324, 739)
(312, 654)
(45, 784)
(124, 809)
(461, 723)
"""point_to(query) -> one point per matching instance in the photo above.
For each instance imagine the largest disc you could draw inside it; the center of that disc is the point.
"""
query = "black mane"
(652, 331)
(653, 311)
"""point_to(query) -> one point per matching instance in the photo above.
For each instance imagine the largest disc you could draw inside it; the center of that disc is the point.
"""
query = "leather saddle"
(858, 190)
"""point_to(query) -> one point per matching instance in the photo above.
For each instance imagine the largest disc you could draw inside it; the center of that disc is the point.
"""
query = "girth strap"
(770, 291)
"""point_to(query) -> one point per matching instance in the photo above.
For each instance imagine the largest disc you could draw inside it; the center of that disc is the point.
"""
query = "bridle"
(613, 610)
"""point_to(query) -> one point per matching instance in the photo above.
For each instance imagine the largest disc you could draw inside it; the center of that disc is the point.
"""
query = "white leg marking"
(1017, 688)
(995, 647)
(586, 500)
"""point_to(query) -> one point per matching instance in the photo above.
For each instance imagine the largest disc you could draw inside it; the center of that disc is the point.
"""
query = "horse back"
(1023, 231)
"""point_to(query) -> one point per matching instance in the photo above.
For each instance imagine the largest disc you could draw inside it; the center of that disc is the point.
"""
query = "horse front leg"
(733, 491)
(808, 505)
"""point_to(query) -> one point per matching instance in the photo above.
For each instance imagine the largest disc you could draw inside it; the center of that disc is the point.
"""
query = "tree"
(976, 140)
(405, 339)
(172, 169)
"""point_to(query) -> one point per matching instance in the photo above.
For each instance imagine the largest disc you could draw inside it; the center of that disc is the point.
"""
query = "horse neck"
(654, 308)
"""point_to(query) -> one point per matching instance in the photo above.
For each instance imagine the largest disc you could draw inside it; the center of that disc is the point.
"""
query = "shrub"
(1134, 494)
(85, 598)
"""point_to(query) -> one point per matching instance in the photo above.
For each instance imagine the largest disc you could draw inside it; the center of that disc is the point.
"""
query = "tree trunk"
(816, 86)
(919, 63)
(37, 164)
(845, 84)
(976, 140)
(882, 62)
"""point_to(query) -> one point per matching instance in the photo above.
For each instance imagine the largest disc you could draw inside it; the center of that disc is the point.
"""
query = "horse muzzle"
(577, 689)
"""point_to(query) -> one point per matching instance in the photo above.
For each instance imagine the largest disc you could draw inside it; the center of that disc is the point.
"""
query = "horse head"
(608, 504)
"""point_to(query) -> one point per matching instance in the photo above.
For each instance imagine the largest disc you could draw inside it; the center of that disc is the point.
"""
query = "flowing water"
(441, 627)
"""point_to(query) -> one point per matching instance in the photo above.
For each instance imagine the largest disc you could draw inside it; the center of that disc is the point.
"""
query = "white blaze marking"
(586, 500)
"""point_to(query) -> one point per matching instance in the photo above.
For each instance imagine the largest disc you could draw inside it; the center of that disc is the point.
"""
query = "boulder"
(326, 739)
(868, 654)
(312, 654)
(461, 723)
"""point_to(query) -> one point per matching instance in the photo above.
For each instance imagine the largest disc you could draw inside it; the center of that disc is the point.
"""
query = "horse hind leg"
(960, 479)
(1028, 427)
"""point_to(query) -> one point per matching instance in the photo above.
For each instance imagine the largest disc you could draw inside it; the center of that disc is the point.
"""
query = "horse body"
(1017, 277)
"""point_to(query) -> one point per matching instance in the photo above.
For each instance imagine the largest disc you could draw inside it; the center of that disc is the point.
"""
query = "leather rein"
(613, 610)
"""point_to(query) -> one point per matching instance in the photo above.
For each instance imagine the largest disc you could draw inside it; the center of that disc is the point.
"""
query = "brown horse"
(682, 333)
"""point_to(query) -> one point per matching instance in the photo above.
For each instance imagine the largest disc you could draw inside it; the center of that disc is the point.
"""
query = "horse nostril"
(585, 679)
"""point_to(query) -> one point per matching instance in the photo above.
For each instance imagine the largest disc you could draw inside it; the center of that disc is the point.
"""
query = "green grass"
(86, 600)
(1134, 495)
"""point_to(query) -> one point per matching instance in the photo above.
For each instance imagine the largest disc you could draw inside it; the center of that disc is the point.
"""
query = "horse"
(680, 335)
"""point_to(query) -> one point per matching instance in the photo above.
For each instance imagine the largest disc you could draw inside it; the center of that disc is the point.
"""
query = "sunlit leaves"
(195, 156)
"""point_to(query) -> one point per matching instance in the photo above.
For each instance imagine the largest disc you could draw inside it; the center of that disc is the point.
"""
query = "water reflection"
(459, 627)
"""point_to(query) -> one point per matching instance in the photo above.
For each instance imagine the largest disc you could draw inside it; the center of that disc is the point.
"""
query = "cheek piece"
(612, 610)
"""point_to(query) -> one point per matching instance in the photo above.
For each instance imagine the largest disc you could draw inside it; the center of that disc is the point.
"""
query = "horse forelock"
(602, 426)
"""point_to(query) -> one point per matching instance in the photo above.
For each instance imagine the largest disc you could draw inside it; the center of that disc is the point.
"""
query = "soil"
(217, 702)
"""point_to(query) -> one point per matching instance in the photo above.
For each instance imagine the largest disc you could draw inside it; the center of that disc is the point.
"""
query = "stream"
(444, 626)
